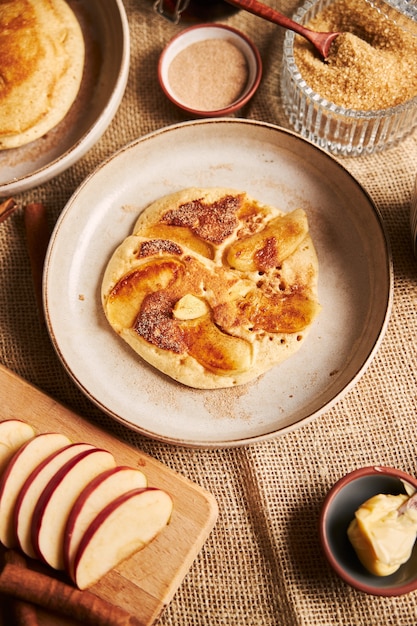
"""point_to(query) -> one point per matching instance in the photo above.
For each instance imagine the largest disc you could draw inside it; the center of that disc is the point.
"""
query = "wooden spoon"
(411, 503)
(321, 41)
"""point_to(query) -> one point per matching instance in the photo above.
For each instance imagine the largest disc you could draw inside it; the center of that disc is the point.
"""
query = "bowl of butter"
(368, 530)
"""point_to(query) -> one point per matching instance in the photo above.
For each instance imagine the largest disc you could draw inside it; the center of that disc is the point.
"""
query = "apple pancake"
(213, 288)
(41, 67)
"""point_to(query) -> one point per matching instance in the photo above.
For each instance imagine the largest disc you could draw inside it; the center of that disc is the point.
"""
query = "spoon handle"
(321, 41)
(411, 503)
(268, 13)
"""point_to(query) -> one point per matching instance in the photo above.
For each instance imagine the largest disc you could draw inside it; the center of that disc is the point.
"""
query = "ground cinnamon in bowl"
(208, 75)
(210, 70)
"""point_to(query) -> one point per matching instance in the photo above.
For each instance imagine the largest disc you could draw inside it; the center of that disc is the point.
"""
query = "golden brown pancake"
(213, 288)
(41, 67)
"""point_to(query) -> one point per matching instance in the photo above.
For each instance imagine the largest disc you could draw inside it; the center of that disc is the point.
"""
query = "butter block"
(383, 539)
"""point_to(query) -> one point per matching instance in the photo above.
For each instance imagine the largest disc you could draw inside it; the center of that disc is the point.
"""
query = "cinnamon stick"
(37, 237)
(55, 595)
(6, 209)
(22, 613)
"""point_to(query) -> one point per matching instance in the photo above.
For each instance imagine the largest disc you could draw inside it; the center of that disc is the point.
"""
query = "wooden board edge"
(39, 402)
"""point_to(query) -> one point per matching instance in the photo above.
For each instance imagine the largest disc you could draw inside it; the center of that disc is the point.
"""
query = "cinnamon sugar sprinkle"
(372, 64)
(213, 222)
(150, 248)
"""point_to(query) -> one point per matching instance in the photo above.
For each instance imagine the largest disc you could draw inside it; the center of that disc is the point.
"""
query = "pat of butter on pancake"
(41, 67)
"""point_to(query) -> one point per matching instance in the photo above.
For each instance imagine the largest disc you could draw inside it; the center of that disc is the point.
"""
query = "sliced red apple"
(13, 434)
(18, 469)
(57, 499)
(32, 489)
(102, 490)
(123, 527)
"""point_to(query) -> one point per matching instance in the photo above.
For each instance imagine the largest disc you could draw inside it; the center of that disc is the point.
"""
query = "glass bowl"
(400, 11)
(341, 131)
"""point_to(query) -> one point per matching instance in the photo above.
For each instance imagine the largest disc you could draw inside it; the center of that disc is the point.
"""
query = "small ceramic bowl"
(340, 131)
(178, 78)
(338, 510)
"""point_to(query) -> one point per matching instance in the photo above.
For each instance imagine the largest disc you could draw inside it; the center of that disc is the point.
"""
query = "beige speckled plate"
(106, 34)
(277, 167)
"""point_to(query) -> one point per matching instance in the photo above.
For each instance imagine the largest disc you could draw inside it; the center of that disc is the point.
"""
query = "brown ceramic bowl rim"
(248, 92)
(373, 470)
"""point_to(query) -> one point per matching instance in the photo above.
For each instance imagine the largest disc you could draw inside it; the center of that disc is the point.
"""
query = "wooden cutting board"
(145, 583)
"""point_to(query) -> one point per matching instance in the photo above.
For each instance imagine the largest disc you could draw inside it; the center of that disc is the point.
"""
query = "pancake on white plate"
(213, 288)
(41, 67)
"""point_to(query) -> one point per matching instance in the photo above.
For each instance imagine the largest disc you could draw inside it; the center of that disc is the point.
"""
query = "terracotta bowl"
(338, 511)
(199, 33)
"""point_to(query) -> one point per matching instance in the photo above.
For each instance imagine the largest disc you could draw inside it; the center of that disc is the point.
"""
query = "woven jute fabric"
(262, 565)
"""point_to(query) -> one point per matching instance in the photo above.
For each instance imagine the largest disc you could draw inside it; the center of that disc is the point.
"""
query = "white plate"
(277, 167)
(106, 35)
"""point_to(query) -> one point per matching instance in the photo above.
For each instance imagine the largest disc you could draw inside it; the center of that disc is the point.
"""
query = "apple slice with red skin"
(18, 469)
(123, 527)
(57, 499)
(99, 492)
(33, 487)
(13, 434)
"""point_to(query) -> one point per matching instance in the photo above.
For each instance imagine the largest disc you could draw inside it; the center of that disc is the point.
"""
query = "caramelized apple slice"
(283, 313)
(123, 527)
(291, 313)
(179, 234)
(214, 349)
(269, 247)
(125, 299)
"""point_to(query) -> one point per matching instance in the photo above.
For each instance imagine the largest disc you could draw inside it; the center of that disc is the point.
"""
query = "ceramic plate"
(106, 36)
(276, 167)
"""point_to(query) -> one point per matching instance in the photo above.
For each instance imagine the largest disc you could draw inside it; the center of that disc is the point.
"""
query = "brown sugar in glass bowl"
(364, 98)
(210, 70)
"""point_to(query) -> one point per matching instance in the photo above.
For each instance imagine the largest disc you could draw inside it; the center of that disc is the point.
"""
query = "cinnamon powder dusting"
(155, 324)
(213, 222)
(156, 246)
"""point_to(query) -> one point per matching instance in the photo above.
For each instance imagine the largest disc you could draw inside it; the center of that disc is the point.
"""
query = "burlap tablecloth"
(262, 565)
